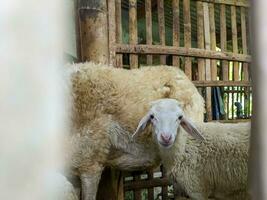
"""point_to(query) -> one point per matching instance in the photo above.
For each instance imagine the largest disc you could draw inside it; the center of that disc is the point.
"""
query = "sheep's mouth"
(166, 145)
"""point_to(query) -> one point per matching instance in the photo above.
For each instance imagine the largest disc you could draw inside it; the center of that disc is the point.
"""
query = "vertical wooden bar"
(212, 41)
(149, 29)
(150, 190)
(161, 20)
(77, 31)
(208, 65)
(228, 103)
(234, 40)
(187, 36)
(175, 30)
(112, 33)
(223, 36)
(119, 61)
(133, 31)
(137, 192)
(200, 39)
(233, 97)
(244, 41)
(165, 188)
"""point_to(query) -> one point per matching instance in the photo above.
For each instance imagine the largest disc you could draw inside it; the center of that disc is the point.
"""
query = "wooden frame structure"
(208, 39)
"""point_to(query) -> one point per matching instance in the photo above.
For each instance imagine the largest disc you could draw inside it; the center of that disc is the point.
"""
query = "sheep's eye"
(180, 117)
(151, 116)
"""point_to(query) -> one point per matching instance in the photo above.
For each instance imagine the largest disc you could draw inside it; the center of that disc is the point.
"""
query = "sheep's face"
(166, 116)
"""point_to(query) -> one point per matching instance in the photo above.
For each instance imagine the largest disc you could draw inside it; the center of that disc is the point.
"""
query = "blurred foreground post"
(258, 151)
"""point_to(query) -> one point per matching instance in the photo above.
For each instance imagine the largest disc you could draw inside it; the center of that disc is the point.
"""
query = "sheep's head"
(166, 117)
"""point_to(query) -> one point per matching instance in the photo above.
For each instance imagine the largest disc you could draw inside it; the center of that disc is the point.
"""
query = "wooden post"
(94, 33)
(119, 62)
(212, 41)
(133, 31)
(187, 37)
(223, 36)
(176, 30)
(244, 41)
(234, 41)
(149, 29)
(161, 20)
(208, 65)
(200, 40)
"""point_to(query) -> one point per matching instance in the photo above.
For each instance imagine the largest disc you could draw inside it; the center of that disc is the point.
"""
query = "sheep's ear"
(190, 128)
(142, 124)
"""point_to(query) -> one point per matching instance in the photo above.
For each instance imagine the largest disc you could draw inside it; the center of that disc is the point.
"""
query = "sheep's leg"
(90, 182)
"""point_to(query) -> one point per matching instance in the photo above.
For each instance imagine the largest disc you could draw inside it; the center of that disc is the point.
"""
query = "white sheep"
(211, 163)
(107, 105)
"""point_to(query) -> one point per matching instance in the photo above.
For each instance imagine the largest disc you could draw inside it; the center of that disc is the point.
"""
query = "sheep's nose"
(166, 137)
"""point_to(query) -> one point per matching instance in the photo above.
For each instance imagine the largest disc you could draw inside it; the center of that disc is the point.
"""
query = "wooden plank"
(234, 120)
(161, 21)
(133, 31)
(175, 30)
(77, 32)
(223, 37)
(181, 51)
(119, 61)
(242, 3)
(164, 188)
(212, 41)
(200, 39)
(187, 37)
(244, 41)
(112, 32)
(208, 65)
(137, 192)
(148, 29)
(150, 190)
(156, 182)
(221, 83)
(234, 40)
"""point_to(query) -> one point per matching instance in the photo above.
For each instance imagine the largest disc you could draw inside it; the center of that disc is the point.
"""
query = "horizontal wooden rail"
(221, 83)
(233, 120)
(241, 3)
(181, 51)
(133, 185)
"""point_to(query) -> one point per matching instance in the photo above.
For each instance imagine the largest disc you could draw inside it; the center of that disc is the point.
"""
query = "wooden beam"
(212, 41)
(181, 51)
(146, 183)
(244, 41)
(221, 83)
(242, 3)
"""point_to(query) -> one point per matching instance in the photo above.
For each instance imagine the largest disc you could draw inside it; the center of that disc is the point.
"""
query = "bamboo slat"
(234, 40)
(112, 32)
(148, 29)
(156, 182)
(119, 61)
(221, 83)
(212, 41)
(175, 30)
(181, 51)
(161, 20)
(208, 65)
(164, 188)
(223, 37)
(244, 41)
(200, 39)
(150, 190)
(133, 31)
(187, 37)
